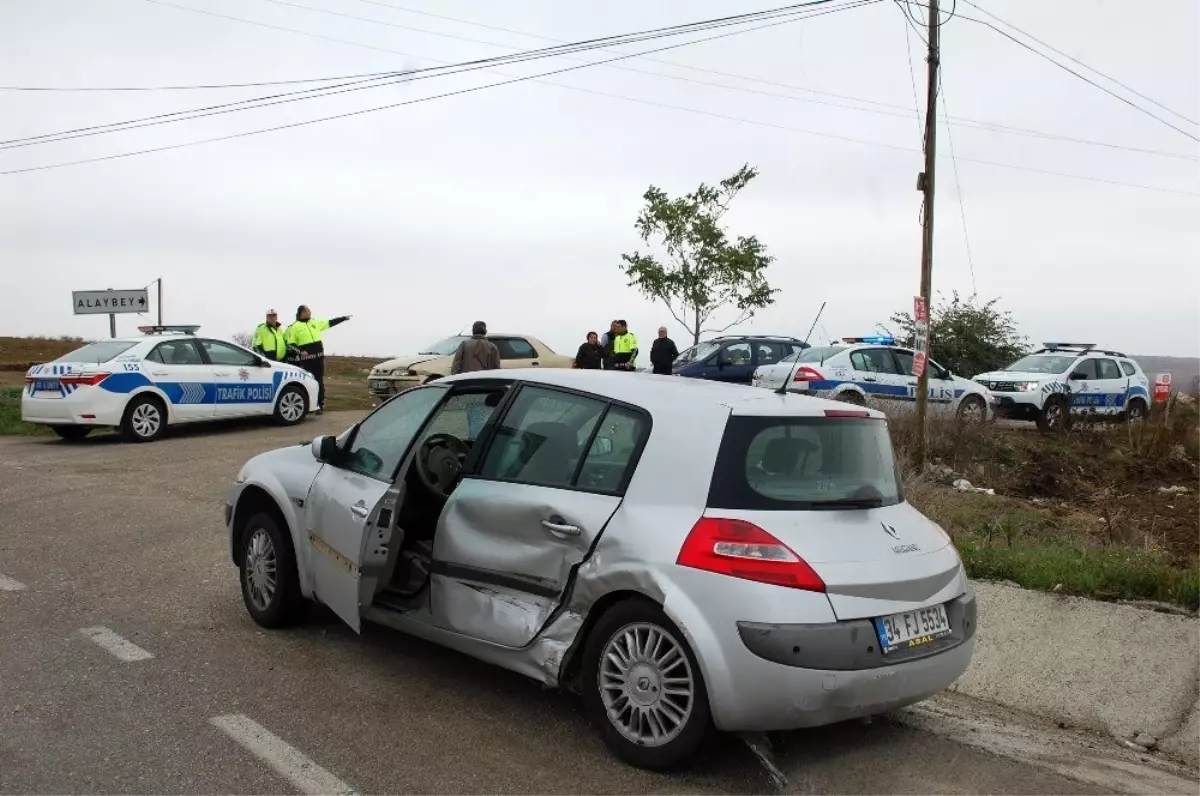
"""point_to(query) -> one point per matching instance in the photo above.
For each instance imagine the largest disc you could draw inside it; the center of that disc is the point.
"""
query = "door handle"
(869, 378)
(557, 526)
(220, 373)
(359, 510)
(158, 373)
(533, 364)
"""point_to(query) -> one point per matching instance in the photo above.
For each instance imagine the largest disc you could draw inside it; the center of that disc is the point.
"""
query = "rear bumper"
(69, 412)
(793, 676)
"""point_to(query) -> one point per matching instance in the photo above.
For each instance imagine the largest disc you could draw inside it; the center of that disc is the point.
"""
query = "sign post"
(921, 331)
(109, 302)
(1162, 392)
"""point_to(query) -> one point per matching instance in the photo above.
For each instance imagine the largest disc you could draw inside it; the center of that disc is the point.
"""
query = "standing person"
(624, 348)
(270, 339)
(663, 353)
(606, 343)
(305, 337)
(591, 354)
(478, 353)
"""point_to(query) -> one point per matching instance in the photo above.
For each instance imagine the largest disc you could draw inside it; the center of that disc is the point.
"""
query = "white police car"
(169, 376)
(1064, 378)
(874, 371)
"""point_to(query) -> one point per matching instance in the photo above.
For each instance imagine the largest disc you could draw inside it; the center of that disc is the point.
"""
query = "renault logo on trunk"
(889, 530)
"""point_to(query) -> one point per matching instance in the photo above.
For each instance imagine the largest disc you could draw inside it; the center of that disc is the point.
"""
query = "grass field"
(345, 378)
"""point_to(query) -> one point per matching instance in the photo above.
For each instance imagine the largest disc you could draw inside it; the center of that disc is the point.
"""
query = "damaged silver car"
(686, 556)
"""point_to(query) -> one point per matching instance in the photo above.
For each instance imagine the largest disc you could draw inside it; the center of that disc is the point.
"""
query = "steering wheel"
(439, 462)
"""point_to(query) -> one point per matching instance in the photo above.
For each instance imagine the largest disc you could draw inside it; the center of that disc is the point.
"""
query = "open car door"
(353, 501)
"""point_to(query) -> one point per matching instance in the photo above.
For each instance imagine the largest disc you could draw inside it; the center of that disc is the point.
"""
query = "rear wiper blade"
(849, 503)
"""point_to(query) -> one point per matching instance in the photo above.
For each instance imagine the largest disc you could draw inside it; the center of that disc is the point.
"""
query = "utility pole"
(925, 184)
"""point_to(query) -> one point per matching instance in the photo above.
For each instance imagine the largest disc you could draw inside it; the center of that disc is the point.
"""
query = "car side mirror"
(262, 363)
(1078, 375)
(324, 449)
(602, 446)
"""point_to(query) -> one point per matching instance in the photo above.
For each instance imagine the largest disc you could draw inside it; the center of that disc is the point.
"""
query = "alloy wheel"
(647, 684)
(291, 406)
(146, 420)
(259, 569)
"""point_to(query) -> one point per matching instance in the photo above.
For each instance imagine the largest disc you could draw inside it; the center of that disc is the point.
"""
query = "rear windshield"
(97, 352)
(815, 354)
(798, 463)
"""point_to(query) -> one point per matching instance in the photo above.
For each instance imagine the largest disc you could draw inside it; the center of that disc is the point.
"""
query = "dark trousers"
(316, 366)
(663, 370)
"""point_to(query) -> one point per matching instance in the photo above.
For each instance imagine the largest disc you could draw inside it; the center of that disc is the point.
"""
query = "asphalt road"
(128, 540)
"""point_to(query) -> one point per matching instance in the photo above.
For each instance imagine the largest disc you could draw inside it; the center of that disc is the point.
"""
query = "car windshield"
(1042, 363)
(696, 352)
(444, 348)
(97, 352)
(805, 463)
(819, 354)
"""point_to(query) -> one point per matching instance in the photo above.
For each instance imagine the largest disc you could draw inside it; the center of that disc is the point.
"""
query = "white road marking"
(8, 584)
(120, 648)
(289, 762)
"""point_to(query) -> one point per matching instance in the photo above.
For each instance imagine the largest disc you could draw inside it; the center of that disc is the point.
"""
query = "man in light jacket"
(478, 353)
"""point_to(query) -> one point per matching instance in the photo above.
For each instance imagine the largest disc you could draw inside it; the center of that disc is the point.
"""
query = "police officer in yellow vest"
(269, 338)
(624, 348)
(304, 338)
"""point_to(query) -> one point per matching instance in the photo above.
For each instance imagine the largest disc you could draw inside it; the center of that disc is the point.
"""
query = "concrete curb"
(1100, 666)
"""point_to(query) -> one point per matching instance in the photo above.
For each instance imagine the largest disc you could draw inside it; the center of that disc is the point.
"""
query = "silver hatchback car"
(687, 556)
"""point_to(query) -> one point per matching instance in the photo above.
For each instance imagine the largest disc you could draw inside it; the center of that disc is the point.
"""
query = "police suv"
(1064, 378)
(874, 371)
(167, 376)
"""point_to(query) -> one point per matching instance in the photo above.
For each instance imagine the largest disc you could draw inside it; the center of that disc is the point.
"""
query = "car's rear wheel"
(972, 409)
(72, 432)
(1136, 411)
(145, 419)
(850, 397)
(292, 406)
(267, 568)
(643, 688)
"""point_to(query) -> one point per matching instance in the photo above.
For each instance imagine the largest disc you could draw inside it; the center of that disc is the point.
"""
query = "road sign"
(920, 310)
(918, 366)
(110, 302)
(1162, 387)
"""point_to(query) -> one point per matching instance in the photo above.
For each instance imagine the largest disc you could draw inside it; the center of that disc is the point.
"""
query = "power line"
(1110, 78)
(962, 211)
(913, 78)
(651, 103)
(1082, 77)
(418, 74)
(199, 87)
(410, 102)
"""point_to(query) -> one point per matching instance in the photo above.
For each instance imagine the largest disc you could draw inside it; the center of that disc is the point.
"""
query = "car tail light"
(84, 379)
(847, 413)
(743, 550)
(807, 374)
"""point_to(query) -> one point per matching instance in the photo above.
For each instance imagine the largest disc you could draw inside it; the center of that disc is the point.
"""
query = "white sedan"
(168, 376)
(871, 371)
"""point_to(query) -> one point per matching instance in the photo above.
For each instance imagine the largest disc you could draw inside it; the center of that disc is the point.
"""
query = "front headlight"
(1029, 386)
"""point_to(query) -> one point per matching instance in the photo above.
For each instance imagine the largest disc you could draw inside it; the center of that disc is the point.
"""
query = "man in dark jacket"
(478, 353)
(663, 352)
(591, 354)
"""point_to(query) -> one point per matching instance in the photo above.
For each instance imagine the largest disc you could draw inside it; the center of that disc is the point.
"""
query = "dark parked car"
(733, 359)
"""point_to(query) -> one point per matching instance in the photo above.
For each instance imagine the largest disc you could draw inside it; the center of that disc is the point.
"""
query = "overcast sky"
(513, 204)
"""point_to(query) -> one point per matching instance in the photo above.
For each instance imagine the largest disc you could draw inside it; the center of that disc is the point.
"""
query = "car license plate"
(912, 628)
(379, 384)
(45, 385)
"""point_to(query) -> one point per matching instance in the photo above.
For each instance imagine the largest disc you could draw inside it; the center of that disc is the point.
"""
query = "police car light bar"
(875, 340)
(1060, 346)
(184, 328)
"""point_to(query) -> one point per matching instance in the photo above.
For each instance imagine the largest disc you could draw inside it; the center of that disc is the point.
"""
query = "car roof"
(670, 394)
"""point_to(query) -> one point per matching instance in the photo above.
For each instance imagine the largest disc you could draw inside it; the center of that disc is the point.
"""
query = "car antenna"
(783, 387)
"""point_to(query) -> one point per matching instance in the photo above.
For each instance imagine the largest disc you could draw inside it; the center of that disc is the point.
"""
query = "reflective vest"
(304, 333)
(270, 340)
(624, 344)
